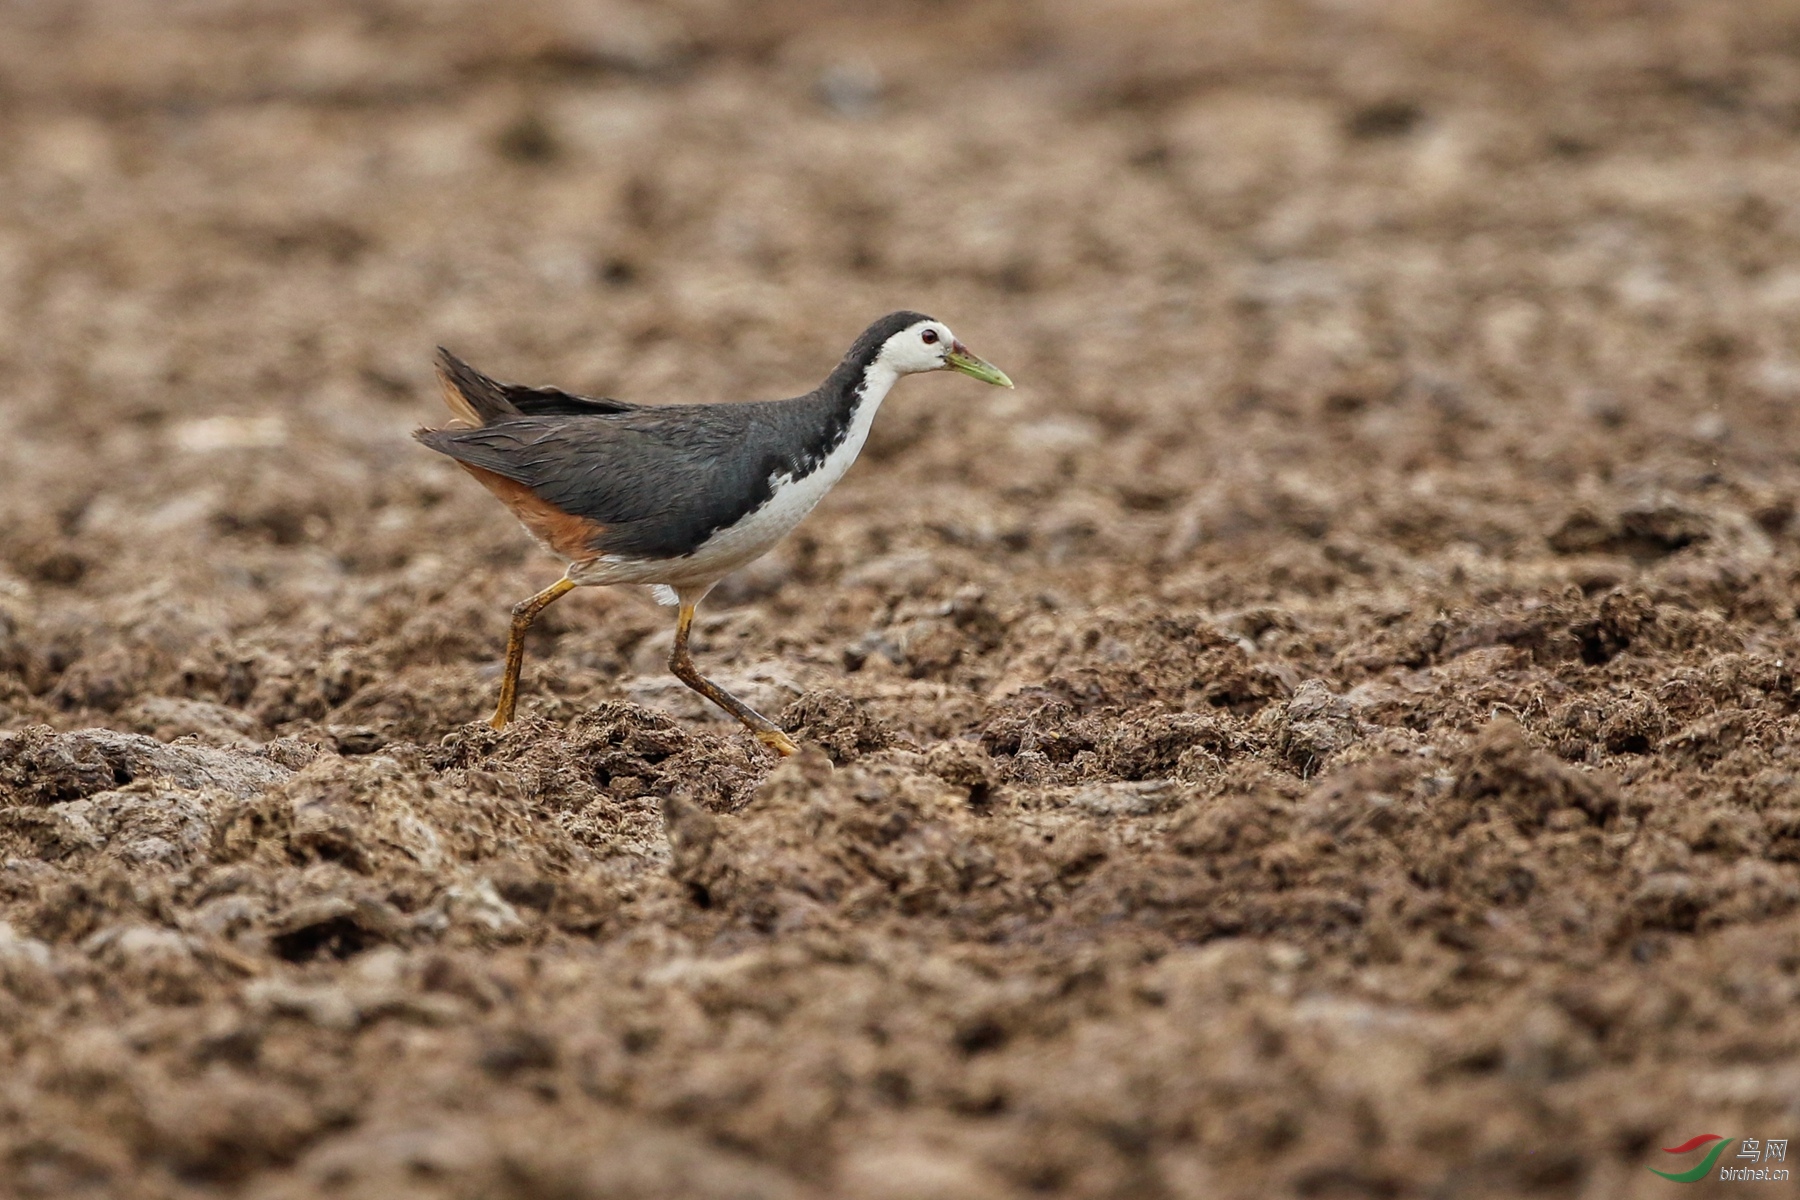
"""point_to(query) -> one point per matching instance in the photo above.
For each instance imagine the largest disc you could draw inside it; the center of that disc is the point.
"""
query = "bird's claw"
(778, 741)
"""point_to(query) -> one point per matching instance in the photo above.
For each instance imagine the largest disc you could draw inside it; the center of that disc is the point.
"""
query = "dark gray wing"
(661, 480)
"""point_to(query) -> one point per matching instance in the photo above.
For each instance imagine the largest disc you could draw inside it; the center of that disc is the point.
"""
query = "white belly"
(757, 533)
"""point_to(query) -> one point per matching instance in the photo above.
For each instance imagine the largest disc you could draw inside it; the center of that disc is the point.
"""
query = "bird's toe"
(778, 741)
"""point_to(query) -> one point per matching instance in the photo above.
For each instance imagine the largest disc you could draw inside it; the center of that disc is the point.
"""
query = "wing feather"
(550, 401)
(660, 480)
(478, 399)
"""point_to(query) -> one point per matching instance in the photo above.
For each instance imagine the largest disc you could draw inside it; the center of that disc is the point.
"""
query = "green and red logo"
(1705, 1165)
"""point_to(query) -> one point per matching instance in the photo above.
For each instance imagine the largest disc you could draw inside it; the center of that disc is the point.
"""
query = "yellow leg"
(682, 664)
(524, 613)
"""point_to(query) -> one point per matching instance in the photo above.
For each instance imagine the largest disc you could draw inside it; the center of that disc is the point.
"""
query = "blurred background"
(1383, 369)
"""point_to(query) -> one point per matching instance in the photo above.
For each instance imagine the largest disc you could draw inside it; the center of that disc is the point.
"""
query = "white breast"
(728, 549)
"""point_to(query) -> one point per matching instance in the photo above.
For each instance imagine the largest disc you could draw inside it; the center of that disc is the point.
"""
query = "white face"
(919, 347)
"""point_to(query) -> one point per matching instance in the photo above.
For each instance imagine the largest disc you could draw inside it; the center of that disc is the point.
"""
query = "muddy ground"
(1330, 732)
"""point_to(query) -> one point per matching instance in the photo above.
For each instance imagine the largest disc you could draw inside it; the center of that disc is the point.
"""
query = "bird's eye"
(929, 337)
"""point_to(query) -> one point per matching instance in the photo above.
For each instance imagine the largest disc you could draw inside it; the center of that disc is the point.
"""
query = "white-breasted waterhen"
(676, 496)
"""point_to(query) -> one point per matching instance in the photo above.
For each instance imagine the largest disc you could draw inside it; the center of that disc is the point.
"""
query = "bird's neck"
(856, 380)
(865, 400)
(877, 380)
(855, 390)
(850, 397)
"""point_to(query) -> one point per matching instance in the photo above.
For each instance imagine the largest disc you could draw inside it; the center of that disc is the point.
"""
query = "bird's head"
(923, 344)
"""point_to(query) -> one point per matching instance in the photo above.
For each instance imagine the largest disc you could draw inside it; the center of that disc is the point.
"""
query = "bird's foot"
(777, 741)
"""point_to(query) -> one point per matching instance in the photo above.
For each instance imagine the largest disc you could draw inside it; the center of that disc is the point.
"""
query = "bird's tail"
(472, 396)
